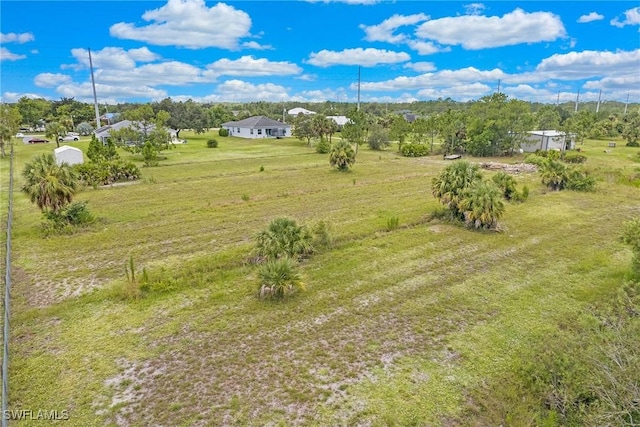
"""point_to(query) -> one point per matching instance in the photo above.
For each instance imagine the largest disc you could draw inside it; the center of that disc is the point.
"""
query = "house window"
(238, 129)
(259, 131)
(251, 131)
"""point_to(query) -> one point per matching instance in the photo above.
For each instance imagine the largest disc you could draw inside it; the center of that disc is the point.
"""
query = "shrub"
(279, 278)
(342, 155)
(378, 138)
(212, 143)
(452, 183)
(482, 205)
(323, 146)
(414, 150)
(223, 132)
(67, 219)
(574, 157)
(322, 235)
(393, 222)
(579, 180)
(107, 172)
(557, 176)
(633, 144)
(284, 238)
(535, 159)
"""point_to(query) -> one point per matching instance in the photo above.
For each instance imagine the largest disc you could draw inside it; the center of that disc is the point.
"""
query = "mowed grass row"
(395, 328)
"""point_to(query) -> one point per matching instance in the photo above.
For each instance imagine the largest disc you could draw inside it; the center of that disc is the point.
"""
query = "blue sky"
(311, 50)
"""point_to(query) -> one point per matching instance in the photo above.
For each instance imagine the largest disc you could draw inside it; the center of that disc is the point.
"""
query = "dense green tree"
(33, 111)
(49, 185)
(631, 130)
(452, 128)
(146, 136)
(399, 129)
(357, 128)
(303, 128)
(378, 138)
(218, 115)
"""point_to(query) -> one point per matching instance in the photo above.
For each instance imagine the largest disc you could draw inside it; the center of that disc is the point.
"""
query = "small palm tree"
(507, 184)
(284, 238)
(56, 130)
(342, 155)
(279, 278)
(482, 205)
(555, 174)
(452, 183)
(49, 185)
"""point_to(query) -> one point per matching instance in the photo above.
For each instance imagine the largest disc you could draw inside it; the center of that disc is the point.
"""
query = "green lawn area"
(395, 328)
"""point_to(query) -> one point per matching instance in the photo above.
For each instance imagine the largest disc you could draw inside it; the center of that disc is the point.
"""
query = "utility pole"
(626, 104)
(498, 85)
(95, 97)
(558, 100)
(598, 104)
(577, 100)
(358, 88)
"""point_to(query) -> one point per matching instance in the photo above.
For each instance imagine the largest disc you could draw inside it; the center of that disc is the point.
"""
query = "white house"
(340, 120)
(299, 110)
(69, 155)
(103, 132)
(258, 127)
(545, 140)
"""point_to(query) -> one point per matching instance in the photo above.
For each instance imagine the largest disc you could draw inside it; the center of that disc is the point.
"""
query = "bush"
(279, 278)
(223, 132)
(107, 172)
(574, 157)
(71, 216)
(631, 236)
(579, 180)
(482, 205)
(633, 144)
(212, 143)
(414, 150)
(323, 146)
(535, 159)
(342, 155)
(450, 186)
(557, 176)
(284, 238)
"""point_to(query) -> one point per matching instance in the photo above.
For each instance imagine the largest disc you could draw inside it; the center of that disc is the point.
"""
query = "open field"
(396, 327)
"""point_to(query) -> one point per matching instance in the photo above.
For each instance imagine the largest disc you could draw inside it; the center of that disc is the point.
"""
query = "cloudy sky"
(313, 50)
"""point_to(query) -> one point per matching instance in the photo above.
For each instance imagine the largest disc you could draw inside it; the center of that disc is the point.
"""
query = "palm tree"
(555, 174)
(452, 183)
(56, 130)
(49, 185)
(342, 155)
(279, 278)
(482, 205)
(284, 238)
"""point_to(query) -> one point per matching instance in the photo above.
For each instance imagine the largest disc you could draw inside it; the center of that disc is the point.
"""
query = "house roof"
(66, 148)
(256, 122)
(105, 130)
(299, 110)
(549, 133)
(340, 120)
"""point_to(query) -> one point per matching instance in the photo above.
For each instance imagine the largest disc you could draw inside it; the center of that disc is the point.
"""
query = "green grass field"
(395, 328)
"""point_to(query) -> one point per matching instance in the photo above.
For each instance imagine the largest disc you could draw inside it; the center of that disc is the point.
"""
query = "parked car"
(19, 135)
(69, 138)
(38, 141)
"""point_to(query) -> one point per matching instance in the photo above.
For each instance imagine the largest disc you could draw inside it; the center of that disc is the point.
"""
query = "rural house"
(103, 132)
(545, 140)
(258, 127)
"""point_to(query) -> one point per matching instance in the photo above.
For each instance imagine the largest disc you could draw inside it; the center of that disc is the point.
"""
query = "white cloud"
(16, 38)
(112, 58)
(474, 8)
(84, 92)
(480, 32)
(631, 17)
(383, 32)
(353, 2)
(426, 48)
(440, 79)
(249, 66)
(256, 46)
(589, 63)
(369, 57)
(465, 92)
(238, 90)
(6, 55)
(190, 24)
(51, 80)
(593, 16)
(11, 97)
(422, 67)
(172, 73)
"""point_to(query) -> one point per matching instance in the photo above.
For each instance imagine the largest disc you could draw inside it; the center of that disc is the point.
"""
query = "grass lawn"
(396, 327)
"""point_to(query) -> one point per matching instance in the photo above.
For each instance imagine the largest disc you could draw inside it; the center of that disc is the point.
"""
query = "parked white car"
(69, 137)
(19, 135)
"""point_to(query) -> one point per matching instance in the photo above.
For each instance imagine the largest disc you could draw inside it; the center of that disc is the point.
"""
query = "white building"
(69, 155)
(340, 120)
(258, 127)
(103, 133)
(299, 110)
(545, 140)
